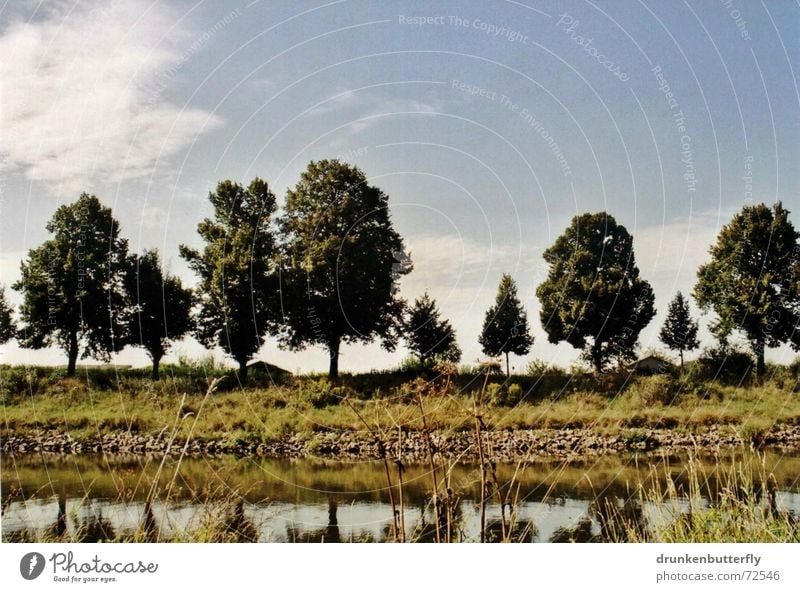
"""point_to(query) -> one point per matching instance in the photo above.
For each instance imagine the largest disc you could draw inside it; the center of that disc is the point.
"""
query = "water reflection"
(248, 500)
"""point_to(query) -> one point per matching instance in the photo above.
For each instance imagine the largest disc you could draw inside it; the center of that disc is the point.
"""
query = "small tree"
(679, 332)
(239, 286)
(8, 329)
(428, 336)
(593, 297)
(343, 259)
(752, 282)
(72, 285)
(505, 327)
(160, 307)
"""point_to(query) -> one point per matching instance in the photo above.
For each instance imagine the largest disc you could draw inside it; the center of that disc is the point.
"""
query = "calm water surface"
(100, 497)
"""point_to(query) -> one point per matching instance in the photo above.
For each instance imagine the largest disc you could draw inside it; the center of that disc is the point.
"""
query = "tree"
(679, 332)
(593, 297)
(238, 270)
(8, 329)
(342, 261)
(505, 326)
(428, 336)
(751, 282)
(160, 307)
(72, 285)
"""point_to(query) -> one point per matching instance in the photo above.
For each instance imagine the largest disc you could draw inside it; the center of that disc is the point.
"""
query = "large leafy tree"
(160, 310)
(342, 261)
(238, 271)
(679, 332)
(72, 285)
(751, 282)
(429, 336)
(505, 326)
(593, 297)
(8, 329)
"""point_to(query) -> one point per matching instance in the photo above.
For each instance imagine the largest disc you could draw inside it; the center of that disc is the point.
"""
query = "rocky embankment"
(498, 445)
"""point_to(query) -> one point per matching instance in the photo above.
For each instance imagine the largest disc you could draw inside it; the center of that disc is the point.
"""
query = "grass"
(740, 507)
(127, 401)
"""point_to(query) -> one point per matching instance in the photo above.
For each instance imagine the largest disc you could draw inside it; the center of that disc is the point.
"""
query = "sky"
(489, 124)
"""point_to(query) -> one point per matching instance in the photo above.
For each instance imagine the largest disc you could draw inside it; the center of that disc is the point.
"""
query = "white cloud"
(83, 94)
(676, 249)
(446, 264)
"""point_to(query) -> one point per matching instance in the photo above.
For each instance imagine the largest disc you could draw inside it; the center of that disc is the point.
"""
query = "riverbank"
(506, 445)
(309, 416)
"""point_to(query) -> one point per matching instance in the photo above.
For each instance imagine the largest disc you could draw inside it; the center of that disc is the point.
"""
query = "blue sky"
(489, 124)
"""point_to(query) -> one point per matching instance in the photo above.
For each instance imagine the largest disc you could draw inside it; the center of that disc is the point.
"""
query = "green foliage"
(8, 329)
(504, 395)
(429, 337)
(648, 391)
(752, 280)
(160, 307)
(593, 297)
(505, 326)
(16, 381)
(725, 365)
(679, 332)
(238, 270)
(73, 284)
(320, 393)
(539, 368)
(342, 261)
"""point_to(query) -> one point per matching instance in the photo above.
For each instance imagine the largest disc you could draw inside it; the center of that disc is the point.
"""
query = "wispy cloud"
(83, 93)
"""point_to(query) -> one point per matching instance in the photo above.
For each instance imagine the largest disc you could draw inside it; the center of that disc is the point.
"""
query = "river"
(101, 497)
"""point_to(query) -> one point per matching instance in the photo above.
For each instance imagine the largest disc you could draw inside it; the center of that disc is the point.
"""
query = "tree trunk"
(72, 354)
(761, 365)
(508, 371)
(333, 371)
(242, 370)
(681, 354)
(156, 362)
(597, 357)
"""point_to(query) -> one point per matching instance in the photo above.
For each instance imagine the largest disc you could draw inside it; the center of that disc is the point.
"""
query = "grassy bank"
(270, 407)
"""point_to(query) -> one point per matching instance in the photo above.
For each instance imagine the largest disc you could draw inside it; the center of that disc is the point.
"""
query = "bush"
(320, 393)
(658, 389)
(728, 366)
(783, 377)
(505, 395)
(19, 380)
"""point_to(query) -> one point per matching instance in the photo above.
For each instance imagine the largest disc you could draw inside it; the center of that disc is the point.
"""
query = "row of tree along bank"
(326, 272)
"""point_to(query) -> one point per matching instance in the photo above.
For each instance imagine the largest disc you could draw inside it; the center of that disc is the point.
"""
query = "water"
(98, 497)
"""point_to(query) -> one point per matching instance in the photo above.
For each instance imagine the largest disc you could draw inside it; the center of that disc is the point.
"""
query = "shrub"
(658, 389)
(506, 395)
(726, 365)
(19, 380)
(320, 393)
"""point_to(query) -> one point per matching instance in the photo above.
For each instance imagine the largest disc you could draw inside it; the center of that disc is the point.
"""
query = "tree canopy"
(593, 297)
(160, 310)
(342, 262)
(429, 337)
(505, 326)
(8, 329)
(679, 332)
(239, 285)
(72, 284)
(751, 282)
